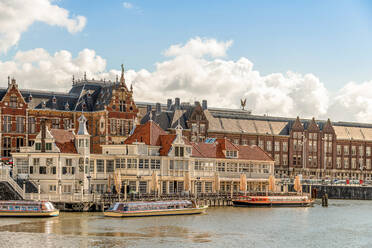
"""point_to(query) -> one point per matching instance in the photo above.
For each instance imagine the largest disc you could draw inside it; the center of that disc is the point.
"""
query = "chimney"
(148, 108)
(177, 103)
(205, 104)
(43, 134)
(196, 103)
(169, 104)
(158, 108)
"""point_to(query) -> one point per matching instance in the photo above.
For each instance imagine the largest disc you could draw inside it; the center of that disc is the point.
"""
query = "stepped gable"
(64, 139)
(147, 133)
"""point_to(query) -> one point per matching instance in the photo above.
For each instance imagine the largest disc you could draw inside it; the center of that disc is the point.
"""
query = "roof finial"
(8, 80)
(150, 116)
(122, 79)
(85, 76)
(131, 87)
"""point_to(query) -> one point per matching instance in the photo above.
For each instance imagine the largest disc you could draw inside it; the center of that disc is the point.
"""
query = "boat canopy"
(131, 206)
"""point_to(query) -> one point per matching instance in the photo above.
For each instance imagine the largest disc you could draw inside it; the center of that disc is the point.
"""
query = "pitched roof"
(165, 143)
(215, 150)
(64, 140)
(253, 153)
(147, 133)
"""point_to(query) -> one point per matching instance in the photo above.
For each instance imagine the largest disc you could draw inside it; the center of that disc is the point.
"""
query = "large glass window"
(110, 165)
(100, 165)
(31, 125)
(155, 164)
(20, 127)
(120, 163)
(7, 124)
(7, 144)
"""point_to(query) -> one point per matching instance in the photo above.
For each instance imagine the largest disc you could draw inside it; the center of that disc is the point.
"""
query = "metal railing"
(71, 198)
(5, 177)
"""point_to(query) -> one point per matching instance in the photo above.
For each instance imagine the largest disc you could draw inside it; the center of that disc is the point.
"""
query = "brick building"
(313, 148)
(60, 162)
(108, 107)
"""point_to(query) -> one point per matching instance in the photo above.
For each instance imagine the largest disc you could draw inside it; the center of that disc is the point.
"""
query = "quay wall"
(340, 191)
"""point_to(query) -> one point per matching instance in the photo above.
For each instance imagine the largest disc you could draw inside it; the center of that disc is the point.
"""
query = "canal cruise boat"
(27, 209)
(154, 208)
(274, 201)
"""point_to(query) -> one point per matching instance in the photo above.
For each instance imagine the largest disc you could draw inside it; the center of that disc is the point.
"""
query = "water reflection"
(343, 223)
(83, 224)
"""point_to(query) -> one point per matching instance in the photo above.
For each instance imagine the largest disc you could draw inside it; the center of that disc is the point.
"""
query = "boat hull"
(272, 204)
(148, 213)
(53, 213)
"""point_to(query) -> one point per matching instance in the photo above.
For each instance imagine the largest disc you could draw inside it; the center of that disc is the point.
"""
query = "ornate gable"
(297, 125)
(328, 128)
(313, 127)
(198, 113)
(122, 98)
(13, 97)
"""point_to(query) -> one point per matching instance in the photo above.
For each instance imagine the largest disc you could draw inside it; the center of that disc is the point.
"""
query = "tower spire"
(122, 79)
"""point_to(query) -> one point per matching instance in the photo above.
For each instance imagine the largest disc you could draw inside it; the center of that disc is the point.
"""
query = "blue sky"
(287, 58)
(331, 39)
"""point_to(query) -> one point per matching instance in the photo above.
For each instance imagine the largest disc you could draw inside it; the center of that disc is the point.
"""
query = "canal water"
(342, 224)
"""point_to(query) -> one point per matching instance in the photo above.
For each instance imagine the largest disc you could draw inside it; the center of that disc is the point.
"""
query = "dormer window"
(48, 146)
(179, 151)
(231, 154)
(13, 102)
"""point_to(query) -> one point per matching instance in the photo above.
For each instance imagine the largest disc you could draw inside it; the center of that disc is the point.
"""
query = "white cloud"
(127, 5)
(37, 69)
(198, 47)
(195, 73)
(17, 15)
(353, 102)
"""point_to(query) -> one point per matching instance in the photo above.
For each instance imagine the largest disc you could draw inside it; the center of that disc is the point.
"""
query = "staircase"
(30, 186)
(5, 178)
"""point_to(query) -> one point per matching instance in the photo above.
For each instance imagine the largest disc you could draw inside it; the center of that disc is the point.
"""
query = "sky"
(287, 58)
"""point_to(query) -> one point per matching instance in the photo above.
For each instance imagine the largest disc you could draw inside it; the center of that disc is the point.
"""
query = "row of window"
(362, 150)
(120, 127)
(20, 124)
(243, 167)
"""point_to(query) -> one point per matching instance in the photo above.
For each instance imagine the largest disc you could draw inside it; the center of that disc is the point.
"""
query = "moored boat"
(27, 209)
(155, 208)
(274, 201)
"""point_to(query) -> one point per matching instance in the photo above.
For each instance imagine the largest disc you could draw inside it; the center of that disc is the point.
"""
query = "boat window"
(23, 208)
(17, 208)
(4, 207)
(49, 206)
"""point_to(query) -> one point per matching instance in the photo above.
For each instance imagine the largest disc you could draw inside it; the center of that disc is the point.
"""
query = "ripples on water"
(342, 224)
